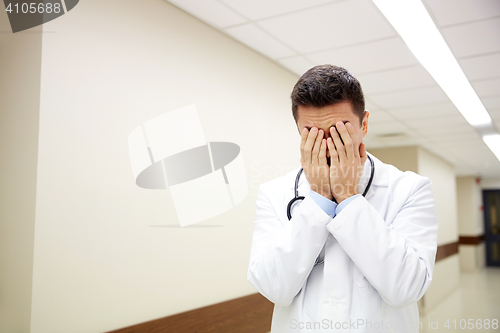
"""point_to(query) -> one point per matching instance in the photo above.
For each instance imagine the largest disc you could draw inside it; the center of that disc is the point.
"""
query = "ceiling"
(406, 105)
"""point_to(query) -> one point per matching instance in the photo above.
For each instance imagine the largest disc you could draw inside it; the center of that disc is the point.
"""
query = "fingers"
(306, 144)
(322, 153)
(347, 140)
(313, 159)
(334, 157)
(350, 130)
(309, 144)
(339, 146)
(316, 149)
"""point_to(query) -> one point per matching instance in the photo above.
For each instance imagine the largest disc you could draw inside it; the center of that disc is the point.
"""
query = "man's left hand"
(347, 161)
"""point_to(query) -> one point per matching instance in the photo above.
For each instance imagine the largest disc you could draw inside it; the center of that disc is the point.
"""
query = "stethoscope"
(297, 198)
(296, 188)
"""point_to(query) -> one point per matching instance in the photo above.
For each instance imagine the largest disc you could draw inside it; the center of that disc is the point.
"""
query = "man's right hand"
(313, 160)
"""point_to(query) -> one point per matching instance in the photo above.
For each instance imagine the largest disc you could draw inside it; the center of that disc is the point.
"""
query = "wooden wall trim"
(471, 240)
(446, 250)
(248, 314)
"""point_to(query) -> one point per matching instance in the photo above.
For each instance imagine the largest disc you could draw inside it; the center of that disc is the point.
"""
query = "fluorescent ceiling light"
(413, 23)
(493, 142)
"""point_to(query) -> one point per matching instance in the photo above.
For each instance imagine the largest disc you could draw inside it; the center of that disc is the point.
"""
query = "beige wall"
(403, 158)
(469, 198)
(103, 257)
(446, 276)
(470, 222)
(444, 189)
(20, 62)
(446, 272)
(472, 257)
(490, 183)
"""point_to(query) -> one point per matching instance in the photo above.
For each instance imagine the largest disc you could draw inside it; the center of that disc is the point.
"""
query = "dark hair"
(325, 85)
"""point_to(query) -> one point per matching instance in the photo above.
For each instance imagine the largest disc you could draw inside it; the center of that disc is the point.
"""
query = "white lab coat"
(379, 254)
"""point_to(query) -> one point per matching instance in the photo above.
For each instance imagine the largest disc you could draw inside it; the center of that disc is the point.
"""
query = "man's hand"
(313, 160)
(346, 161)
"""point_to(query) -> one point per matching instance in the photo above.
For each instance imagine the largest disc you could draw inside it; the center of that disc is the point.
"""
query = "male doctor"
(344, 262)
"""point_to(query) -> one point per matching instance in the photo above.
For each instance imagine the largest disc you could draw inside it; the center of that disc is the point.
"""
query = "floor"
(468, 308)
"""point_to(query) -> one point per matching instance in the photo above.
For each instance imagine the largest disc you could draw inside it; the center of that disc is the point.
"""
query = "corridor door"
(491, 204)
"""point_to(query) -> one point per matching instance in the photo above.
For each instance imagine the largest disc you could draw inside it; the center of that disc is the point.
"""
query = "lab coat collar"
(380, 178)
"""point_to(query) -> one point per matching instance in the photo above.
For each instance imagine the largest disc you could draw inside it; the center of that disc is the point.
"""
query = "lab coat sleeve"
(283, 252)
(397, 258)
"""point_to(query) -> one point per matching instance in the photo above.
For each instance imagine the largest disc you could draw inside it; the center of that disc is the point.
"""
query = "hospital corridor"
(249, 166)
